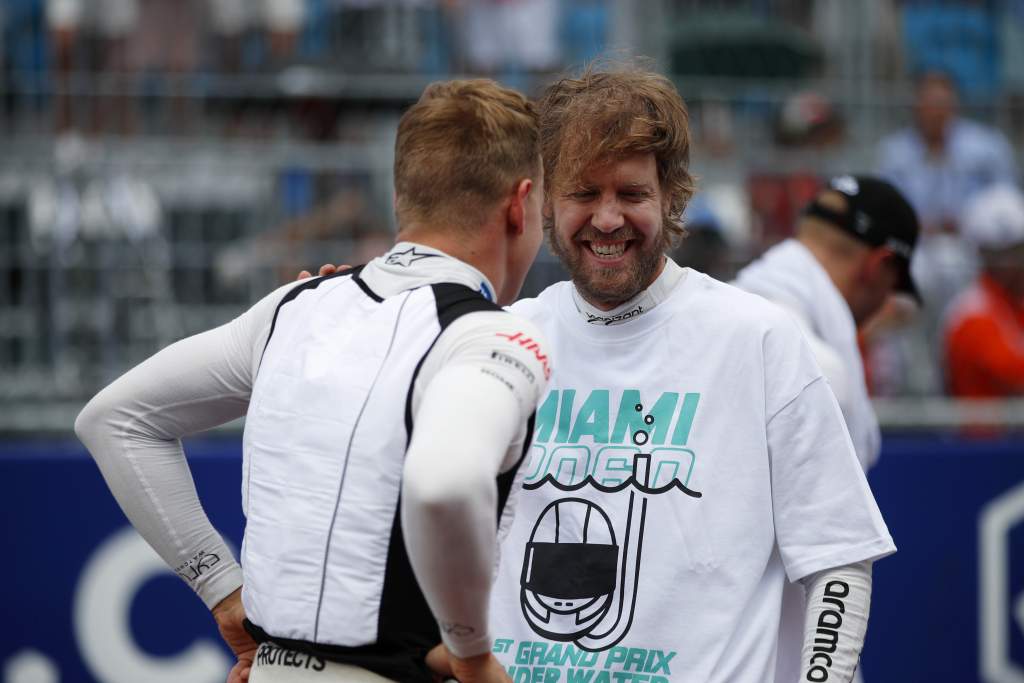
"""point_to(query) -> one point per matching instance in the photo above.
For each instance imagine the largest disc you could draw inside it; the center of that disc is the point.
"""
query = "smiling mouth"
(608, 251)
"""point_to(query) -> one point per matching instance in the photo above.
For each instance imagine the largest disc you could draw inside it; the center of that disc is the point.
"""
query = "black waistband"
(400, 660)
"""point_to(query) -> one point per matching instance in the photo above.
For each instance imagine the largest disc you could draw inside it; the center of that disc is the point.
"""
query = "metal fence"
(139, 204)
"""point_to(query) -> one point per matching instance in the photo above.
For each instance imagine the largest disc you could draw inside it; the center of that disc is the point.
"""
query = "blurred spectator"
(166, 37)
(776, 200)
(940, 163)
(717, 222)
(851, 251)
(90, 36)
(705, 248)
(510, 36)
(943, 159)
(239, 24)
(875, 50)
(808, 119)
(984, 334)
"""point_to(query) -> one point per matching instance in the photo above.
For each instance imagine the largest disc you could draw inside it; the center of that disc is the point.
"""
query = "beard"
(613, 285)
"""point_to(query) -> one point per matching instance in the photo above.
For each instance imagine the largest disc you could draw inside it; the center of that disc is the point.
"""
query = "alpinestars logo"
(407, 258)
(580, 578)
(612, 319)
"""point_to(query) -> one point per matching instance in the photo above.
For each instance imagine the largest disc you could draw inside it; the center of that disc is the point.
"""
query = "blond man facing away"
(387, 410)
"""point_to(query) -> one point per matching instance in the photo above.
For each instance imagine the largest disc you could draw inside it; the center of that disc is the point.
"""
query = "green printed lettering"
(589, 659)
(659, 679)
(565, 415)
(616, 466)
(661, 455)
(574, 655)
(635, 659)
(579, 676)
(537, 652)
(554, 654)
(603, 677)
(551, 675)
(658, 661)
(629, 421)
(662, 414)
(502, 645)
(685, 420)
(592, 419)
(522, 675)
(616, 655)
(566, 459)
(523, 652)
(545, 422)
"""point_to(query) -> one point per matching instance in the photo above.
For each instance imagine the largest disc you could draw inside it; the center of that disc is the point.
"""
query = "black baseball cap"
(878, 215)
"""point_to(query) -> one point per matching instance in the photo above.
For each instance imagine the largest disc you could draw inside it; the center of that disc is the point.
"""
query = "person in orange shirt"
(984, 332)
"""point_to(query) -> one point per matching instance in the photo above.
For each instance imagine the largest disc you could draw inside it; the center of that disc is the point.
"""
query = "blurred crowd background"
(167, 162)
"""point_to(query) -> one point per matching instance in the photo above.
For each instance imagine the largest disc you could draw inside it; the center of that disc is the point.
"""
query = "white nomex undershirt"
(659, 290)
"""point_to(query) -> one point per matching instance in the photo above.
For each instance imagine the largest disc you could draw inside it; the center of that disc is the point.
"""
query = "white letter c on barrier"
(109, 582)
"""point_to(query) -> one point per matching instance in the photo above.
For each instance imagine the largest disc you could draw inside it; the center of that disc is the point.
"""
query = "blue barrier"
(86, 600)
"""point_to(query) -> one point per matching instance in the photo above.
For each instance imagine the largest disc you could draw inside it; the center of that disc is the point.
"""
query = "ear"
(516, 215)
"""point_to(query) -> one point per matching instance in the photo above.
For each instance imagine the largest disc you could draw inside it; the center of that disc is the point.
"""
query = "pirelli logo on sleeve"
(515, 363)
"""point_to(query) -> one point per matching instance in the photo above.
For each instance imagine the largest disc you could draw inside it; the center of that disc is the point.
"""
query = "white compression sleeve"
(838, 602)
(133, 427)
(480, 384)
(449, 492)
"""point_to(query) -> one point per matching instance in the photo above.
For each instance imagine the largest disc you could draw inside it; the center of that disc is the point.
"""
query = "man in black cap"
(851, 252)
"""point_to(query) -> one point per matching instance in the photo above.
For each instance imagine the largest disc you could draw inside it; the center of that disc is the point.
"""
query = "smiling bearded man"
(689, 458)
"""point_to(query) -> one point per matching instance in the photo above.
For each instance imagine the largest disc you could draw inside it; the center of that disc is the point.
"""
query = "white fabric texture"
(613, 563)
(450, 499)
(133, 430)
(790, 276)
(642, 303)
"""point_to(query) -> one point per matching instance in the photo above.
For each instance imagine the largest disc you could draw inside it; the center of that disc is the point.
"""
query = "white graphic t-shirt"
(686, 463)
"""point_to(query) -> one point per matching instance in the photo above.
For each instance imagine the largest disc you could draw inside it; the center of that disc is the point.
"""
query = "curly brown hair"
(611, 111)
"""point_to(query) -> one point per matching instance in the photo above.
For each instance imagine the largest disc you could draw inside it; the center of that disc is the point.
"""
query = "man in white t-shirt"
(851, 251)
(689, 457)
(371, 526)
